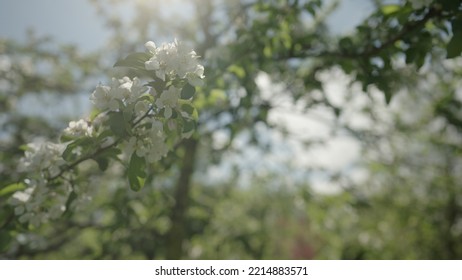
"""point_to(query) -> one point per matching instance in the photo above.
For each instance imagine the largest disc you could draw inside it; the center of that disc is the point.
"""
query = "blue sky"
(69, 21)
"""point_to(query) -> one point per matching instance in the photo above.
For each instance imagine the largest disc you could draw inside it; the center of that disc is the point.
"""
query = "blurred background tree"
(243, 187)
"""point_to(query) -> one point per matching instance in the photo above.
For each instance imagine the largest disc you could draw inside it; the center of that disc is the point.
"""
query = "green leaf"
(390, 9)
(188, 126)
(104, 134)
(110, 153)
(188, 91)
(174, 113)
(411, 55)
(188, 108)
(103, 158)
(118, 124)
(128, 113)
(454, 47)
(136, 172)
(134, 60)
(420, 60)
(103, 163)
(267, 51)
(158, 85)
(217, 96)
(94, 113)
(12, 188)
(237, 70)
(5, 240)
(346, 43)
(72, 196)
(450, 5)
(24, 147)
(388, 96)
(65, 138)
(69, 155)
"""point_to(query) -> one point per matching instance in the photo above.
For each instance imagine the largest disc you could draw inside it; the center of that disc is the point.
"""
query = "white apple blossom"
(175, 59)
(45, 157)
(151, 46)
(103, 99)
(127, 90)
(23, 196)
(120, 88)
(132, 145)
(196, 78)
(172, 125)
(148, 142)
(79, 128)
(156, 126)
(122, 91)
(168, 100)
(137, 88)
(158, 147)
(185, 60)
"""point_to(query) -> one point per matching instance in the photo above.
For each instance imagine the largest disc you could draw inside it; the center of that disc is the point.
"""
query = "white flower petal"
(168, 112)
(151, 46)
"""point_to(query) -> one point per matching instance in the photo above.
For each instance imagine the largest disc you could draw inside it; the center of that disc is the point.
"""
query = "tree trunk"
(176, 234)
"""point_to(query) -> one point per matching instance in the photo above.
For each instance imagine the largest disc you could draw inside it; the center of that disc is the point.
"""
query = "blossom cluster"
(121, 93)
(38, 202)
(138, 111)
(174, 59)
(43, 158)
(78, 128)
(168, 100)
(149, 142)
